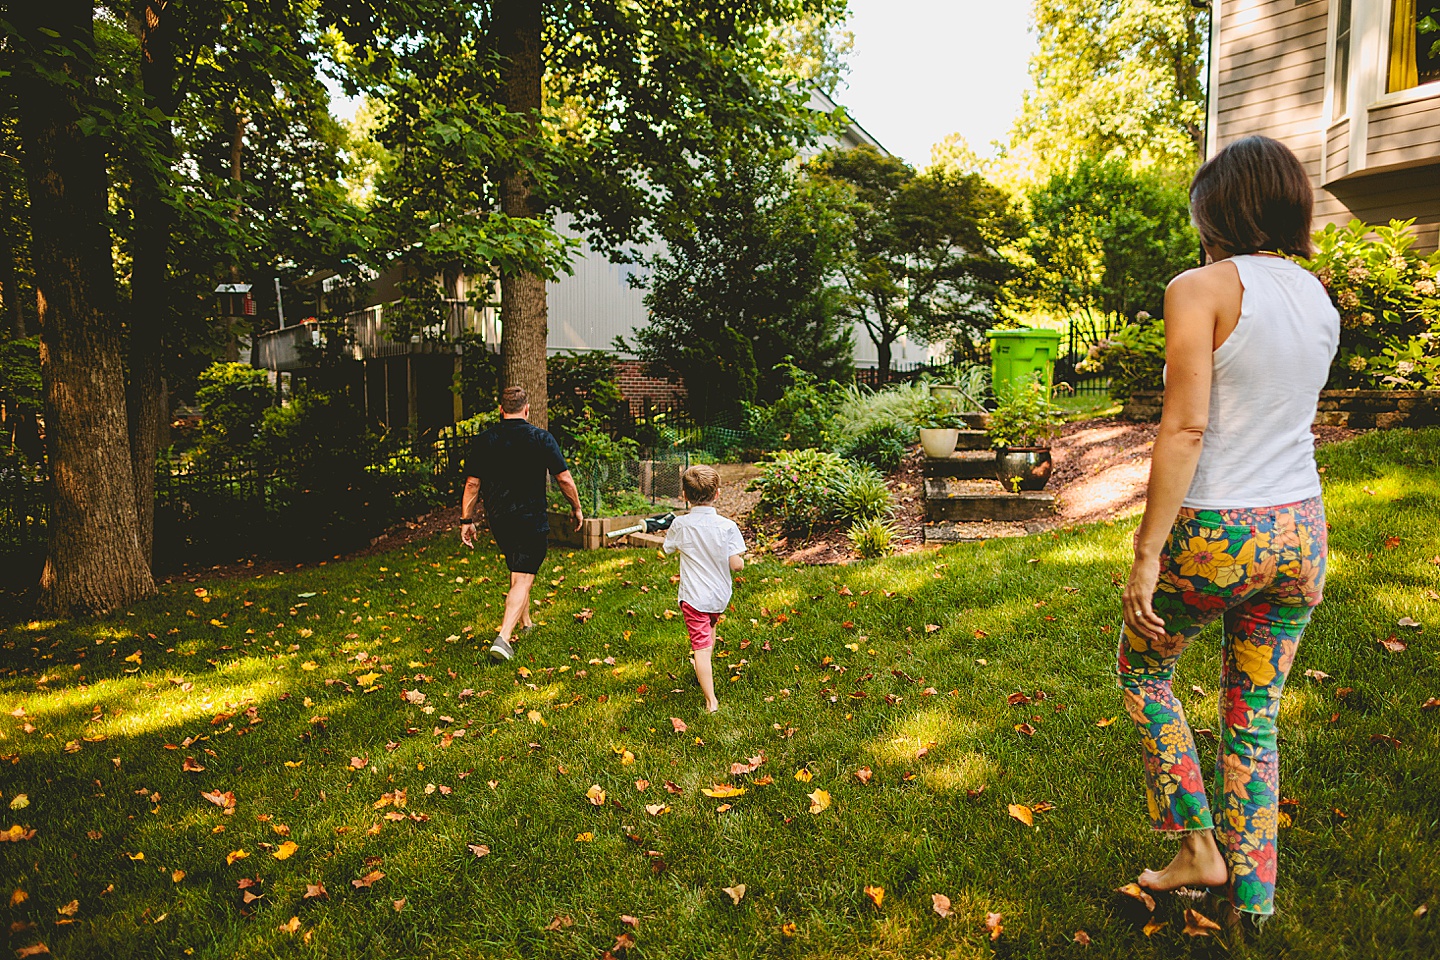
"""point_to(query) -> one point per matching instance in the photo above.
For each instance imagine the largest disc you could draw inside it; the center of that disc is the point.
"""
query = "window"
(1414, 44)
(1340, 78)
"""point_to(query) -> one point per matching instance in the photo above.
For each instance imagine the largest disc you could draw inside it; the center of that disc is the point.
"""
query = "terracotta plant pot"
(939, 443)
(1031, 465)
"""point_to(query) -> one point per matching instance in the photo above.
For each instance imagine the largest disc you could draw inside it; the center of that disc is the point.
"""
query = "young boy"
(711, 551)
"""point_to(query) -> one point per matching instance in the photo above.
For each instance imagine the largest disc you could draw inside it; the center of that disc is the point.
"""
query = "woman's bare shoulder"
(1218, 277)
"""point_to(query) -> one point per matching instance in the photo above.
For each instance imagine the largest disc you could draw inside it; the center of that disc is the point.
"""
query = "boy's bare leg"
(517, 604)
(706, 676)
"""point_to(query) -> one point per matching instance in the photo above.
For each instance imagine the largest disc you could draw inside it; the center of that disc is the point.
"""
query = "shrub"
(599, 462)
(905, 405)
(798, 487)
(882, 445)
(1133, 359)
(860, 495)
(800, 419)
(1026, 418)
(1389, 302)
(872, 538)
(233, 399)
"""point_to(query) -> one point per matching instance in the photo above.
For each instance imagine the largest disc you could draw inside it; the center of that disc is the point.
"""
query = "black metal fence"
(898, 373)
(1082, 333)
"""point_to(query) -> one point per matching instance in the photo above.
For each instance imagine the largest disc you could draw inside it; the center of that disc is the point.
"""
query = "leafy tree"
(1105, 240)
(1114, 78)
(744, 283)
(926, 250)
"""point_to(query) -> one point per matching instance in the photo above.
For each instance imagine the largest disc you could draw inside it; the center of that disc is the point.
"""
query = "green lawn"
(291, 691)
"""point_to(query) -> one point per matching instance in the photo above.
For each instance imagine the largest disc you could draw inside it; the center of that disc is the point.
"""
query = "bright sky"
(923, 69)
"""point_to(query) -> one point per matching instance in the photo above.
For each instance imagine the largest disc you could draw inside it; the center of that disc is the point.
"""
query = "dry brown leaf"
(678, 724)
(1082, 938)
(1022, 813)
(558, 923)
(479, 849)
(993, 924)
(313, 890)
(863, 774)
(876, 895)
(1139, 893)
(398, 904)
(641, 786)
(940, 904)
(595, 795)
(34, 950)
(1393, 645)
(191, 766)
(1199, 925)
(736, 893)
(290, 926)
(70, 909)
(369, 878)
(629, 921)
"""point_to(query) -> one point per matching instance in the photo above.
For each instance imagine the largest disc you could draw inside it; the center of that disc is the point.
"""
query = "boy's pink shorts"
(701, 626)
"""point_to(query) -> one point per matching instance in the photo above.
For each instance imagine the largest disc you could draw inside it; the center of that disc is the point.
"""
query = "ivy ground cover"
(918, 757)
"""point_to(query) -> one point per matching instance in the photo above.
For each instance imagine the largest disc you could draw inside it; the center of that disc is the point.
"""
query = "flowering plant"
(1133, 357)
(1388, 296)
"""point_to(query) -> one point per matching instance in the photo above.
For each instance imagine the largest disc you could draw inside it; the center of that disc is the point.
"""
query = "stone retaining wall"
(1357, 409)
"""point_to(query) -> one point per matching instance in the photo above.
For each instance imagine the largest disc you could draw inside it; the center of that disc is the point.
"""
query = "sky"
(923, 69)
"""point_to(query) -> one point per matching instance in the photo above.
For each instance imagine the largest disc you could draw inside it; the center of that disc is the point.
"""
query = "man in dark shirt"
(507, 467)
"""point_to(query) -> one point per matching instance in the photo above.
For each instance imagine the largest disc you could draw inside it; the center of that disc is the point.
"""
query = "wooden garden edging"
(1358, 409)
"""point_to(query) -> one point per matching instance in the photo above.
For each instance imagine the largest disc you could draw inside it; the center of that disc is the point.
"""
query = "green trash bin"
(1016, 356)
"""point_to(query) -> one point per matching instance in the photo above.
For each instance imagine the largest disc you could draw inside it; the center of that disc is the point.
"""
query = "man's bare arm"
(469, 503)
(572, 493)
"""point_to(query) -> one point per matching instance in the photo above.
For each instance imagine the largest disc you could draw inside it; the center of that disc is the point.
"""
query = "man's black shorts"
(523, 543)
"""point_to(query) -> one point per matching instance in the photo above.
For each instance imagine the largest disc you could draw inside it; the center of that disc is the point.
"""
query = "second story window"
(1414, 44)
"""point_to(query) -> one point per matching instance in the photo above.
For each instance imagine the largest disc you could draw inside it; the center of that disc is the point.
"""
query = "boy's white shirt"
(705, 541)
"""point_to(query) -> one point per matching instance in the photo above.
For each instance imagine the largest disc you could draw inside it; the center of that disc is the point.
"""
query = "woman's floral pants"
(1263, 570)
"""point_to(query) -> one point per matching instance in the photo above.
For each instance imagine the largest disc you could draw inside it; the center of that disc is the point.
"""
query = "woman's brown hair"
(1253, 196)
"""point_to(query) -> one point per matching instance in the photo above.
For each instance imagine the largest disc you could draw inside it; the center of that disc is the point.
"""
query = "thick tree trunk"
(525, 332)
(149, 278)
(883, 363)
(95, 562)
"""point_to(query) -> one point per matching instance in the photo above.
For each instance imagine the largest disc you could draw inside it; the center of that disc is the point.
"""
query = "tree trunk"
(95, 562)
(883, 364)
(523, 311)
(149, 278)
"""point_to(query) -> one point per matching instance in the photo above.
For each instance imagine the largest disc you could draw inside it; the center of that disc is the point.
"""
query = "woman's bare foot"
(1198, 864)
(712, 707)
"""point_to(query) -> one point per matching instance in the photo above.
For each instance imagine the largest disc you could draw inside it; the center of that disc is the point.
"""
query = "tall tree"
(926, 256)
(96, 561)
(745, 283)
(1114, 78)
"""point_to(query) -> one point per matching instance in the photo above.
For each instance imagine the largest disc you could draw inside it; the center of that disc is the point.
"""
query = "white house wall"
(596, 304)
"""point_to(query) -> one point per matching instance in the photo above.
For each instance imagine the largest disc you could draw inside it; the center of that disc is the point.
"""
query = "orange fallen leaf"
(876, 895)
(863, 774)
(641, 785)
(629, 921)
(1022, 813)
(559, 922)
(596, 795)
(313, 890)
(940, 904)
(369, 878)
(398, 904)
(191, 766)
(678, 724)
(289, 926)
(70, 909)
(1082, 938)
(1139, 893)
(34, 950)
(1153, 927)
(993, 924)
(234, 855)
(1199, 925)
(819, 801)
(1104, 721)
(286, 850)
(177, 876)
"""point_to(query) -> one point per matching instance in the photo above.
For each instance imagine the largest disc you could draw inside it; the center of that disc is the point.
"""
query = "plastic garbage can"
(1016, 356)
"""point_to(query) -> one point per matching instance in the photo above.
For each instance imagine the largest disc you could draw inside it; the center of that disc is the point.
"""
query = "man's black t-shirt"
(511, 460)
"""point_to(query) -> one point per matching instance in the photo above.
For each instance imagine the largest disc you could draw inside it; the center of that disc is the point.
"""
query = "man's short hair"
(513, 400)
(701, 483)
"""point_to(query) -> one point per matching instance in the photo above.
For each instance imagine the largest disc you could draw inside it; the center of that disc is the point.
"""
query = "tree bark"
(883, 362)
(149, 278)
(95, 563)
(525, 332)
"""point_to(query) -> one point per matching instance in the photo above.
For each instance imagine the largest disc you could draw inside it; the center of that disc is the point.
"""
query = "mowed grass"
(901, 666)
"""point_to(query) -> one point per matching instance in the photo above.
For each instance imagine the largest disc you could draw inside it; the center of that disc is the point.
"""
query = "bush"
(1389, 302)
(800, 419)
(1026, 418)
(860, 495)
(872, 538)
(233, 399)
(598, 462)
(882, 445)
(904, 405)
(1133, 359)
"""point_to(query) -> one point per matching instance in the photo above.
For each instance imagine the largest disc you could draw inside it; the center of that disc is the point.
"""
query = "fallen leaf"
(863, 774)
(1421, 910)
(931, 627)
(364, 882)
(678, 724)
(819, 801)
(1022, 813)
(657, 809)
(558, 923)
(940, 904)
(289, 926)
(585, 837)
(1393, 645)
(359, 763)
(736, 893)
(18, 897)
(1082, 938)
(1319, 676)
(286, 850)
(993, 924)
(723, 790)
(234, 855)
(398, 904)
(623, 942)
(1152, 927)
(673, 787)
(641, 786)
(20, 801)
(788, 929)
(1104, 721)
(313, 890)
(803, 775)
(1430, 704)
(1025, 728)
(479, 849)
(1409, 623)
(629, 921)
(876, 895)
(595, 795)
(34, 950)
(177, 876)
(1139, 893)
(70, 909)
(1199, 925)
(366, 679)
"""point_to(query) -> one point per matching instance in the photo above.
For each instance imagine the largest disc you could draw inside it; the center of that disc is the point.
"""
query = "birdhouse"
(235, 300)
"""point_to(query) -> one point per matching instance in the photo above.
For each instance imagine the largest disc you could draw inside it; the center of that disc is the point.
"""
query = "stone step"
(963, 465)
(947, 532)
(973, 440)
(971, 501)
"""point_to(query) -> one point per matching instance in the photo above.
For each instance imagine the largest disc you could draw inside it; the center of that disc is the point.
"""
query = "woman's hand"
(1139, 613)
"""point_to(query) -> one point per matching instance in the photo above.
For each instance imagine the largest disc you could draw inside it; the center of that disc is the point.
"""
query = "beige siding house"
(1351, 86)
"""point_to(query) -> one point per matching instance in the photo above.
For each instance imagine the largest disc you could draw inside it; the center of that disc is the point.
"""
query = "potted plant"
(939, 429)
(1021, 429)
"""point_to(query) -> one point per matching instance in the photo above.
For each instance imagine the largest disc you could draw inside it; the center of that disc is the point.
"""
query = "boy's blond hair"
(701, 483)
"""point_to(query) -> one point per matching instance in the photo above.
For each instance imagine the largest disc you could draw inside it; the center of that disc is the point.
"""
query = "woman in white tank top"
(1234, 527)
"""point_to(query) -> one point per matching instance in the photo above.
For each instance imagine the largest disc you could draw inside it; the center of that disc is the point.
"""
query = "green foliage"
(1388, 296)
(1105, 240)
(477, 380)
(907, 406)
(1114, 79)
(1025, 418)
(806, 489)
(21, 391)
(1133, 358)
(234, 399)
(600, 463)
(924, 253)
(872, 538)
(741, 294)
(583, 386)
(800, 418)
(882, 445)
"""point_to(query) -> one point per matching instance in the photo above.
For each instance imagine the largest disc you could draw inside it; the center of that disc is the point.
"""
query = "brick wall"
(646, 391)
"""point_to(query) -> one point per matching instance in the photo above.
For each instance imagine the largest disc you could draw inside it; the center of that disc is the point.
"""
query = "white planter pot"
(939, 443)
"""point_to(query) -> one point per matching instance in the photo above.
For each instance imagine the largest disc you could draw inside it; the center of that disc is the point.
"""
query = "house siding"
(1270, 79)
